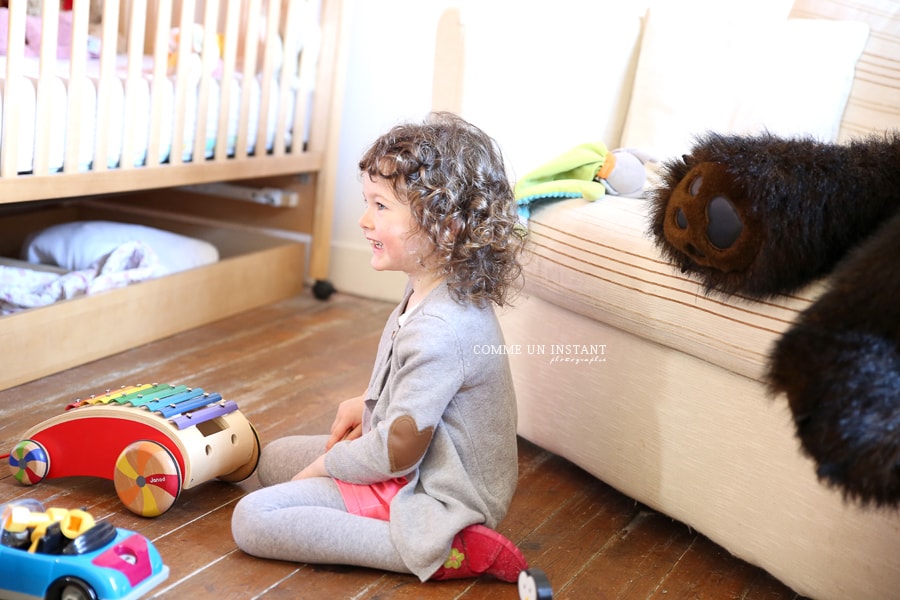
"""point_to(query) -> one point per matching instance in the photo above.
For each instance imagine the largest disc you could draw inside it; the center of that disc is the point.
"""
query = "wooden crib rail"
(294, 91)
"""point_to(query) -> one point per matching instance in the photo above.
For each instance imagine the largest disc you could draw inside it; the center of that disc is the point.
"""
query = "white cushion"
(79, 244)
(725, 69)
(548, 78)
(804, 80)
(873, 99)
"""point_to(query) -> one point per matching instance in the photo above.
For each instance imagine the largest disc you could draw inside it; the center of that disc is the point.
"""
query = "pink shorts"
(373, 500)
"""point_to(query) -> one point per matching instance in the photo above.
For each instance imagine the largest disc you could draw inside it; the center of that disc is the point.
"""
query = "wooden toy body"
(88, 441)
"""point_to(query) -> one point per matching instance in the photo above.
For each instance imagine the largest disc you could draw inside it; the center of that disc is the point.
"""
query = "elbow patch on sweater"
(406, 444)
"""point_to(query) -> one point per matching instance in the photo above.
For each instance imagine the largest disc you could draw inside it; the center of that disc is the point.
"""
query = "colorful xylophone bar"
(181, 405)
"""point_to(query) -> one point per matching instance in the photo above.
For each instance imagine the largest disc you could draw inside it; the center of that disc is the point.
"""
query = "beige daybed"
(629, 370)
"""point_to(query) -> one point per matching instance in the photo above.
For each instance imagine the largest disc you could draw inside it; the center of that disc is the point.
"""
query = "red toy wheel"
(147, 478)
(29, 462)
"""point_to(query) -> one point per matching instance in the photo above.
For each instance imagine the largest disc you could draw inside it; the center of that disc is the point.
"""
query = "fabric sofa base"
(697, 442)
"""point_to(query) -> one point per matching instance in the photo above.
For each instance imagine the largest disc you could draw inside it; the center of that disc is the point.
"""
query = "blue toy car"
(60, 554)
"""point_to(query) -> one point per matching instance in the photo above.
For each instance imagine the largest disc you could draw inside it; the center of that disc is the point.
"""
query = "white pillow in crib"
(720, 70)
(76, 245)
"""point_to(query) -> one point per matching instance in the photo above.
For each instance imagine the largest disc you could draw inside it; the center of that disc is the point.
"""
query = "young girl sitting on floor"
(419, 470)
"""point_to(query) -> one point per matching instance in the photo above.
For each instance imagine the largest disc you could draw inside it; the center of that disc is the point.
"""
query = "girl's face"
(388, 224)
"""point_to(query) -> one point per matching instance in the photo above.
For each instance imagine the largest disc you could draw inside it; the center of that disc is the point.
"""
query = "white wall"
(538, 77)
(389, 73)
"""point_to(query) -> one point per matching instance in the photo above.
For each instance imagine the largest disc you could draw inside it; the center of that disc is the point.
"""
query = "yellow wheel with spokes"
(147, 478)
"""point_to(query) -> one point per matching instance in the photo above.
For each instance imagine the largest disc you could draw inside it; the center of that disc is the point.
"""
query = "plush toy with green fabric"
(586, 171)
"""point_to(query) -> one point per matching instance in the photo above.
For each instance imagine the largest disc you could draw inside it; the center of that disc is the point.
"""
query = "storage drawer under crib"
(254, 267)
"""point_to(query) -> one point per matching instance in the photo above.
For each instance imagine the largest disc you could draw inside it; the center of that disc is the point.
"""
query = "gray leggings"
(307, 521)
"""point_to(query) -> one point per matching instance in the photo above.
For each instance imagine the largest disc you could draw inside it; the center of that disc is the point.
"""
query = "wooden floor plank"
(287, 366)
(634, 563)
(585, 521)
(706, 571)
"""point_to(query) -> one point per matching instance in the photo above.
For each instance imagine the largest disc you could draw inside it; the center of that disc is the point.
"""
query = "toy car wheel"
(245, 471)
(147, 478)
(534, 585)
(71, 588)
(29, 462)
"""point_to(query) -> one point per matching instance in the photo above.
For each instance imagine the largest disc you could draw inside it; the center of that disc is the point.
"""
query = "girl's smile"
(388, 225)
(389, 228)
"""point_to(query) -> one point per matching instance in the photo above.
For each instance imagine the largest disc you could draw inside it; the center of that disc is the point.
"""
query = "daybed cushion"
(789, 78)
(872, 106)
(614, 274)
(79, 244)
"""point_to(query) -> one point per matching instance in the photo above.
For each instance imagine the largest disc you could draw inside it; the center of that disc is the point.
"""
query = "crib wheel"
(147, 478)
(29, 462)
(242, 473)
(323, 289)
(534, 585)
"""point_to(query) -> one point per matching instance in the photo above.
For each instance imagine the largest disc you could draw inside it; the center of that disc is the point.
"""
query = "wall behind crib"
(539, 77)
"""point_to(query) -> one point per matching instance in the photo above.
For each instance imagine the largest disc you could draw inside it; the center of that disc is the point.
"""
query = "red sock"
(477, 550)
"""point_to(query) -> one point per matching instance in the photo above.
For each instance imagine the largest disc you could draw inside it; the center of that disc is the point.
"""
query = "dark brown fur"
(806, 210)
(805, 204)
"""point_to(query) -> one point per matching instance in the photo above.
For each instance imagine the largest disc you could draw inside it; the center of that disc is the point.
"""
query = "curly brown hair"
(453, 177)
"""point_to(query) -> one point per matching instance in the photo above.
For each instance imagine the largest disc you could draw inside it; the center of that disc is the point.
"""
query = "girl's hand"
(315, 469)
(347, 423)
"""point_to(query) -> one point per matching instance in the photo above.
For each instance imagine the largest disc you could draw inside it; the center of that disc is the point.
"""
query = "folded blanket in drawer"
(595, 259)
(23, 287)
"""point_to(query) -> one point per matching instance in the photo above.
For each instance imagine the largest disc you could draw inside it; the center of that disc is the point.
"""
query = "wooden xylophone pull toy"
(151, 440)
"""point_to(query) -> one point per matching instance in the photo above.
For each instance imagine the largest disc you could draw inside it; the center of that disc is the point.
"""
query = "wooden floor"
(287, 366)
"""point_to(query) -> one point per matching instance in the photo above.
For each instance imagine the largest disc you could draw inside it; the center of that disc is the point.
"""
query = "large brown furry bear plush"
(761, 216)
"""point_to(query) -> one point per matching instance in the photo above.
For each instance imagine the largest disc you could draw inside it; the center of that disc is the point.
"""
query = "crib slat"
(159, 16)
(13, 88)
(46, 105)
(133, 79)
(248, 73)
(209, 58)
(108, 42)
(268, 73)
(287, 76)
(77, 129)
(183, 81)
(229, 56)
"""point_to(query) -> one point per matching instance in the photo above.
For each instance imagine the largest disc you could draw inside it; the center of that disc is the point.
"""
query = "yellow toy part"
(75, 522)
(17, 519)
(72, 523)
